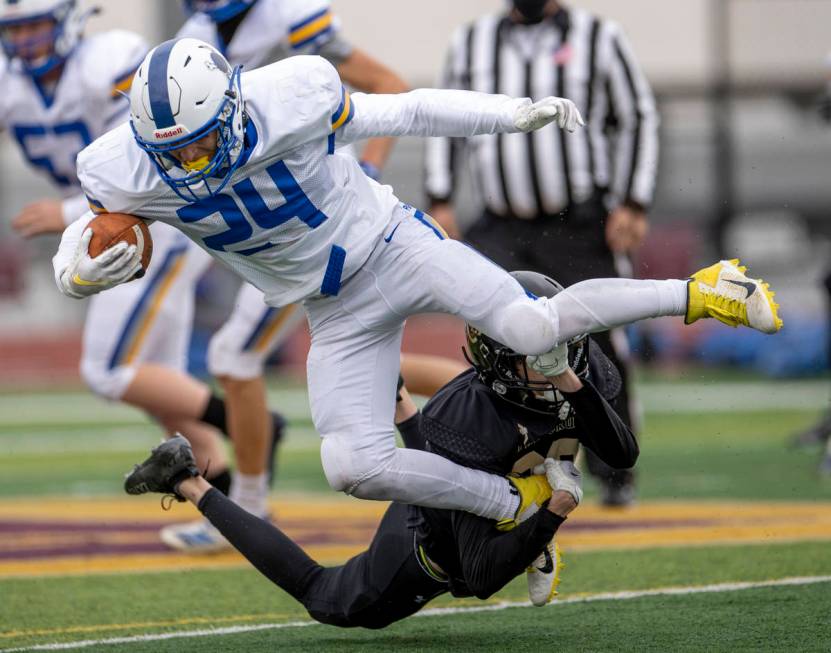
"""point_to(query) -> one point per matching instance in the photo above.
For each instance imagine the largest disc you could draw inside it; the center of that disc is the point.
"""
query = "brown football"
(111, 228)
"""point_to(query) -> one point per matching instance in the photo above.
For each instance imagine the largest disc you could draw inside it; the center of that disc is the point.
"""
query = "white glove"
(551, 363)
(562, 475)
(533, 116)
(86, 276)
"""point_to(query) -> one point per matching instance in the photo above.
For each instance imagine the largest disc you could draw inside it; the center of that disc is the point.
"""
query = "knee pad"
(346, 469)
(529, 326)
(106, 382)
(335, 458)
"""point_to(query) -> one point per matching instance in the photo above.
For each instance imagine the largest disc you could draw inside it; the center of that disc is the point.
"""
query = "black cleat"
(278, 424)
(168, 465)
(618, 490)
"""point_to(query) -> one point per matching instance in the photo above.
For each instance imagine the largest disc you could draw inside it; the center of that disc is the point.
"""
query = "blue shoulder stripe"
(345, 111)
(308, 19)
(302, 44)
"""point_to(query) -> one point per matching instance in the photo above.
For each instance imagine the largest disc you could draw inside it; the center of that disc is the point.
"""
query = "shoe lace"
(168, 499)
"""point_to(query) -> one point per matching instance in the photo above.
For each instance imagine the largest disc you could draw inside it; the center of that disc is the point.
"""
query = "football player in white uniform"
(252, 33)
(246, 166)
(60, 92)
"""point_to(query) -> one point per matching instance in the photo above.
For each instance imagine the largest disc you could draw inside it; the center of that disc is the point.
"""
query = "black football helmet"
(505, 371)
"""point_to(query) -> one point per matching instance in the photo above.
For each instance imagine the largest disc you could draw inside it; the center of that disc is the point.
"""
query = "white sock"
(250, 492)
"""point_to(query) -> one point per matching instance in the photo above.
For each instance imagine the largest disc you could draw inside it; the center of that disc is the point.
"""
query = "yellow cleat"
(724, 292)
(544, 574)
(533, 491)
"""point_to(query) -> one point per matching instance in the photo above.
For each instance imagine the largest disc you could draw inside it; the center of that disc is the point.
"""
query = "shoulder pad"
(116, 175)
(109, 59)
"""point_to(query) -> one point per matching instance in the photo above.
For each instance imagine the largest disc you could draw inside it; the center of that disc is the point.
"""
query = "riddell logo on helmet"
(178, 130)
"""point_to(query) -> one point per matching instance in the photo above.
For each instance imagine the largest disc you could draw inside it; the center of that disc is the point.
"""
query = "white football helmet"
(69, 26)
(184, 90)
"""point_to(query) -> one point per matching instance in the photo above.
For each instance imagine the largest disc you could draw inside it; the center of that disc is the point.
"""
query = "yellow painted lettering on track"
(45, 536)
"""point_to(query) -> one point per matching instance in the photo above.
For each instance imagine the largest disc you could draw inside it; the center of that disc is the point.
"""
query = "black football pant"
(569, 247)
(382, 585)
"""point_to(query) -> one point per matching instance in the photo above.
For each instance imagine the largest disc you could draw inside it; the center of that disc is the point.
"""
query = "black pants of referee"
(567, 247)
(384, 584)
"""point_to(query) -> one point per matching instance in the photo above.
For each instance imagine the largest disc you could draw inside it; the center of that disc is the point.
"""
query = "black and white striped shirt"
(573, 55)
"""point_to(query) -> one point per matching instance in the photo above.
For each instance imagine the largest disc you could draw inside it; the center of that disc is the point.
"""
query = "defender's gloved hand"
(563, 475)
(551, 363)
(87, 276)
(533, 116)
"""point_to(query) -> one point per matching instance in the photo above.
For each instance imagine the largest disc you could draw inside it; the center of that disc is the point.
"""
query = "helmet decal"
(220, 62)
(157, 86)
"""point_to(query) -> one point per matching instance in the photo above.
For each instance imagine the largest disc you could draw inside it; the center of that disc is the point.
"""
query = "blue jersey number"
(297, 205)
(27, 135)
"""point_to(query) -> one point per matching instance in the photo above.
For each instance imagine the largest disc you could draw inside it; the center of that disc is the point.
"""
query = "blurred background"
(744, 167)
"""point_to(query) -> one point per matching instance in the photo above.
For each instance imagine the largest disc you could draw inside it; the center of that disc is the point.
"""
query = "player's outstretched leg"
(722, 291)
(171, 469)
(373, 589)
(432, 273)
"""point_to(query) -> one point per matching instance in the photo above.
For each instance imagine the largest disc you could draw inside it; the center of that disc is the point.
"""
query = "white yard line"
(435, 612)
(67, 408)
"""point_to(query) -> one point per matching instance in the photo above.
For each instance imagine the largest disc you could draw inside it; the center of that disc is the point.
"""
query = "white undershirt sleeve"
(430, 112)
(73, 208)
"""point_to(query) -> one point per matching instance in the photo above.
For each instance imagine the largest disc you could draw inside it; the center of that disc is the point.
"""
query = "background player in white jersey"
(60, 92)
(246, 166)
(252, 33)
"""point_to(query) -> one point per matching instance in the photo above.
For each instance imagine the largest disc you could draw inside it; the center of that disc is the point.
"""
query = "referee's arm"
(633, 120)
(443, 154)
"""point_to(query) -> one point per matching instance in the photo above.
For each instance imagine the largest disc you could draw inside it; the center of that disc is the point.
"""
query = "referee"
(570, 205)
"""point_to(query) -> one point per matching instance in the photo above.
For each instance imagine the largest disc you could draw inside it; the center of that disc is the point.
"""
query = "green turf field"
(711, 442)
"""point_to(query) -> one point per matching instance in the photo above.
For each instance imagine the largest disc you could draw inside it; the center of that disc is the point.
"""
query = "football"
(111, 228)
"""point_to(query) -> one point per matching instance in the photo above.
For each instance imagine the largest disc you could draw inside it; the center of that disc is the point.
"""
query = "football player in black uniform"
(506, 408)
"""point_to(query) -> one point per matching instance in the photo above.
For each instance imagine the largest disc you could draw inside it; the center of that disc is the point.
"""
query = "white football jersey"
(52, 127)
(296, 216)
(272, 30)
(293, 209)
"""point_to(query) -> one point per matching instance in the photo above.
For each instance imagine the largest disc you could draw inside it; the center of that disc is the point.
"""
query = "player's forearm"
(601, 429)
(69, 242)
(432, 112)
(491, 559)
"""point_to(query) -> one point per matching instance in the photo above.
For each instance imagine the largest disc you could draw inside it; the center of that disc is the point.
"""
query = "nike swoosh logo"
(548, 567)
(749, 286)
(392, 233)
